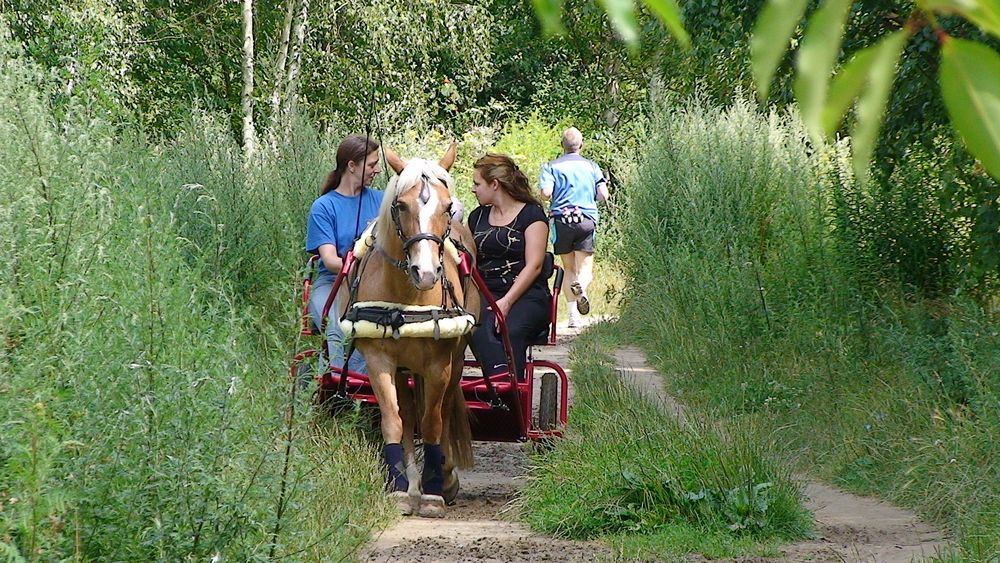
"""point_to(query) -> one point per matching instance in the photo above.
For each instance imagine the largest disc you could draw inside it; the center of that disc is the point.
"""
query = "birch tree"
(249, 131)
(295, 64)
(279, 67)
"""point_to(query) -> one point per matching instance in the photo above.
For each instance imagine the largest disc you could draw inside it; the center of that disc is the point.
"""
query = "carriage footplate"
(496, 402)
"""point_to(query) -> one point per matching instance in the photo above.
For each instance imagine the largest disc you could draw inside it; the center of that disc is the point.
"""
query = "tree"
(249, 131)
(969, 73)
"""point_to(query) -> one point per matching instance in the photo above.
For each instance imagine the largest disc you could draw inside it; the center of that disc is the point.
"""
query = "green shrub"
(773, 292)
(144, 335)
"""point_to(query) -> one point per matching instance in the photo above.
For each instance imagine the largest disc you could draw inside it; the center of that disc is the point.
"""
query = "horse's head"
(420, 207)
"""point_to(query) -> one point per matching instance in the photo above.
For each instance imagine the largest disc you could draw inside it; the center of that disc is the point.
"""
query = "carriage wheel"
(548, 402)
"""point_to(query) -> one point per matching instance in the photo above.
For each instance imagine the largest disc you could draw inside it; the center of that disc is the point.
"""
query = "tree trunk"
(279, 68)
(295, 63)
(249, 131)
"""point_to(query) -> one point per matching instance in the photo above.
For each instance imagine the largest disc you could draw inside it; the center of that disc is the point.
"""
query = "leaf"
(970, 85)
(871, 104)
(771, 34)
(669, 14)
(549, 13)
(983, 13)
(622, 16)
(817, 55)
(845, 88)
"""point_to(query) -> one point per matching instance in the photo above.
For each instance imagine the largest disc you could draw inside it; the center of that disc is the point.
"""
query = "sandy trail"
(481, 526)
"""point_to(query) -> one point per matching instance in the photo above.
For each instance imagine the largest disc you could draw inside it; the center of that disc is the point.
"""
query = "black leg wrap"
(397, 480)
(433, 473)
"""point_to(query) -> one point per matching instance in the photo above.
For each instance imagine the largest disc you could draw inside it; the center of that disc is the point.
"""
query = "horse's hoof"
(404, 503)
(431, 506)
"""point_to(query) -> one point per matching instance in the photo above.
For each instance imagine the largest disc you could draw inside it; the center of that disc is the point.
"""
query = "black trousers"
(527, 318)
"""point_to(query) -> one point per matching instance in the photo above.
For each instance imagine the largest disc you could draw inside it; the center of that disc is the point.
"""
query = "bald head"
(572, 140)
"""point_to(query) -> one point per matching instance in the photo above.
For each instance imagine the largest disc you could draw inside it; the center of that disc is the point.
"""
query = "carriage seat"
(547, 336)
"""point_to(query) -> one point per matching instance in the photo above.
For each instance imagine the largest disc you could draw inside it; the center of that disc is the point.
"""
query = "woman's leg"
(528, 317)
(487, 346)
(334, 336)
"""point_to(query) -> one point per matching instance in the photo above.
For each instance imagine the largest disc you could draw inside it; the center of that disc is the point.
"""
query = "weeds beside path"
(848, 527)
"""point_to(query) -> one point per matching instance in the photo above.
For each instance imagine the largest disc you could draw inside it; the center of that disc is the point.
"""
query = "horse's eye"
(447, 208)
(401, 207)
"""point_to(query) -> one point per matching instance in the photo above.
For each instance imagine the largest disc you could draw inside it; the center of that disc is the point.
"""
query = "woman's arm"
(332, 261)
(535, 238)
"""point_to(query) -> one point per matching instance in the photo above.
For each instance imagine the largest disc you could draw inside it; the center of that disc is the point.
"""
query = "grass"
(748, 294)
(146, 314)
(632, 475)
(743, 284)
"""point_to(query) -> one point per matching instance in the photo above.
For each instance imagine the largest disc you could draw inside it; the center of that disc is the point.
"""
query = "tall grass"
(629, 468)
(145, 313)
(748, 286)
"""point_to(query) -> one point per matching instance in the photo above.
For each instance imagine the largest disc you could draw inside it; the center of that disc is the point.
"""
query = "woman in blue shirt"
(338, 216)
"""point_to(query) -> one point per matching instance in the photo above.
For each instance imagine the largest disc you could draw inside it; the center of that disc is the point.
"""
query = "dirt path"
(849, 527)
(481, 527)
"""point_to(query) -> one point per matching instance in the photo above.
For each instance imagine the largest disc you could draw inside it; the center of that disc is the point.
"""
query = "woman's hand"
(504, 308)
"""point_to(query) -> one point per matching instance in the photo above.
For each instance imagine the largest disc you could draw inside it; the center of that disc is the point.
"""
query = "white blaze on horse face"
(426, 261)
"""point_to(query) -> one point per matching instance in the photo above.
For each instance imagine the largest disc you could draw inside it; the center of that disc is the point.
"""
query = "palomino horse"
(413, 274)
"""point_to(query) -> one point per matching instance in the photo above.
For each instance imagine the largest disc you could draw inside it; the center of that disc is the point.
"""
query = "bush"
(628, 467)
(145, 295)
(775, 292)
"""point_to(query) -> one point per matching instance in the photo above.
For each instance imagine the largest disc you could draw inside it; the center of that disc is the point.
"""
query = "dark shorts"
(567, 237)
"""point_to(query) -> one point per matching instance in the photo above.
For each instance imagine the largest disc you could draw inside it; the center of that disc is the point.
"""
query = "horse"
(413, 274)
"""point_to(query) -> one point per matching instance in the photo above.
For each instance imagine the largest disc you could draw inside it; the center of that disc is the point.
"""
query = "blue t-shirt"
(574, 181)
(334, 219)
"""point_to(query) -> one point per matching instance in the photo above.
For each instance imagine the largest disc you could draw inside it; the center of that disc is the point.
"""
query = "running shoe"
(582, 303)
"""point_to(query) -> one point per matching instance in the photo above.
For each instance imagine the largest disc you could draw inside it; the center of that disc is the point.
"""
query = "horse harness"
(397, 320)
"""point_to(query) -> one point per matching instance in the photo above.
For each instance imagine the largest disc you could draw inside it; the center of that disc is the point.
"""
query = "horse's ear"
(449, 156)
(396, 163)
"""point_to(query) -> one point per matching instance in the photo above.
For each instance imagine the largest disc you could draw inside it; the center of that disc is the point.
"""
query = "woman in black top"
(511, 232)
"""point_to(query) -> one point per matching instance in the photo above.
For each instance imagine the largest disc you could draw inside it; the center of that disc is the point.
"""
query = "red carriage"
(504, 407)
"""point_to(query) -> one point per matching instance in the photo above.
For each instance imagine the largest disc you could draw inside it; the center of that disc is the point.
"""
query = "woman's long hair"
(354, 148)
(501, 168)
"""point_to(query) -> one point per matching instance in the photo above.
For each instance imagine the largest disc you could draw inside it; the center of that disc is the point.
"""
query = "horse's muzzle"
(424, 279)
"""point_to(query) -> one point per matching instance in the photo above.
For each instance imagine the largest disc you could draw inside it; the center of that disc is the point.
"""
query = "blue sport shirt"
(574, 181)
(334, 219)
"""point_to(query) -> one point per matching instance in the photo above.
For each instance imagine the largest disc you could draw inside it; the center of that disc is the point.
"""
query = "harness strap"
(401, 264)
(394, 318)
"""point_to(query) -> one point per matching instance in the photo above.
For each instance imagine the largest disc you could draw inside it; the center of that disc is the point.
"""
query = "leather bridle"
(404, 264)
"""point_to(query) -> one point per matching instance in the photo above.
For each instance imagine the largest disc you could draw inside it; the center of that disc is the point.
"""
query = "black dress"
(500, 258)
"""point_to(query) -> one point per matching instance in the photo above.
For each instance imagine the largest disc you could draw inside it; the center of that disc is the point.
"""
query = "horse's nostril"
(415, 272)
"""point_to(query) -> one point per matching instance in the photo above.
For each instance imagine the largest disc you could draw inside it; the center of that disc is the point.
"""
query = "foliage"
(773, 289)
(146, 402)
(622, 16)
(414, 63)
(656, 474)
(967, 73)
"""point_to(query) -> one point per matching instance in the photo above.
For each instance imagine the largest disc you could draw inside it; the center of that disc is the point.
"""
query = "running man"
(575, 185)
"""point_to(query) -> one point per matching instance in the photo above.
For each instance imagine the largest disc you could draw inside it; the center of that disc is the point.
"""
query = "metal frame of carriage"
(502, 407)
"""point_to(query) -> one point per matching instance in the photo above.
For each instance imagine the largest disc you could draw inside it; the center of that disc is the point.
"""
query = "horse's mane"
(407, 179)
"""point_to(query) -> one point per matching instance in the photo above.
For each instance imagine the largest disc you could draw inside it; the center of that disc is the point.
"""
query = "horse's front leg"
(408, 412)
(431, 428)
(381, 375)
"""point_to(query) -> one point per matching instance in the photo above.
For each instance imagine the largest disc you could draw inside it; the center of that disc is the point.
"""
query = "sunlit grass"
(631, 474)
